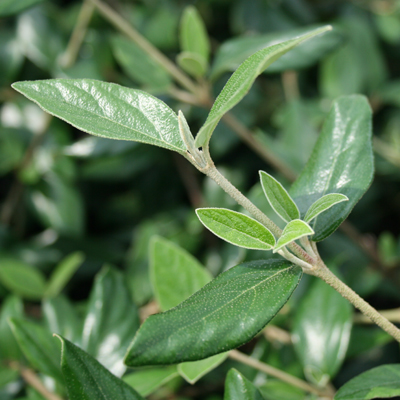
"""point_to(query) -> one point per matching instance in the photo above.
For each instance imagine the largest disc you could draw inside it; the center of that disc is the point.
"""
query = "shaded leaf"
(323, 204)
(192, 63)
(7, 375)
(240, 388)
(9, 7)
(236, 228)
(294, 230)
(221, 316)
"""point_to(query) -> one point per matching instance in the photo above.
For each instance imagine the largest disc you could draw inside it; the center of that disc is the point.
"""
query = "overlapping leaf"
(239, 387)
(294, 230)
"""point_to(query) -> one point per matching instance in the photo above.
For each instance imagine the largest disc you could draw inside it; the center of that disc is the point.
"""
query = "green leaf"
(107, 110)
(22, 279)
(242, 80)
(234, 51)
(63, 273)
(138, 65)
(192, 63)
(175, 274)
(7, 375)
(236, 228)
(38, 347)
(341, 162)
(279, 198)
(193, 34)
(9, 7)
(294, 230)
(194, 370)
(147, 381)
(278, 390)
(323, 204)
(86, 379)
(240, 388)
(380, 382)
(321, 331)
(221, 316)
(111, 320)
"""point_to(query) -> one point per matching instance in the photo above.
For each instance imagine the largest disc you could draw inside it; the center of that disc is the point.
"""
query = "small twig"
(290, 85)
(392, 315)
(275, 334)
(33, 380)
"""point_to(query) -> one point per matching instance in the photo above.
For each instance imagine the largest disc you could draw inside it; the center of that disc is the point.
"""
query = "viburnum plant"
(235, 306)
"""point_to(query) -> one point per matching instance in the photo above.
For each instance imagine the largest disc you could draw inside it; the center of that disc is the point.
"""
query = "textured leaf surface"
(86, 379)
(341, 162)
(323, 204)
(240, 388)
(377, 383)
(107, 110)
(224, 314)
(236, 228)
(279, 198)
(242, 80)
(294, 230)
(322, 331)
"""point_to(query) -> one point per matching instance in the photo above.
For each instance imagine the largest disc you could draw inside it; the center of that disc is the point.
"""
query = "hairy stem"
(277, 373)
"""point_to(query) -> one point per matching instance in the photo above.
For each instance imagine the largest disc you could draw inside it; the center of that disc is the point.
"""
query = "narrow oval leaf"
(294, 230)
(236, 228)
(377, 383)
(321, 331)
(323, 204)
(175, 274)
(240, 388)
(107, 110)
(341, 162)
(86, 379)
(279, 198)
(219, 317)
(192, 63)
(242, 79)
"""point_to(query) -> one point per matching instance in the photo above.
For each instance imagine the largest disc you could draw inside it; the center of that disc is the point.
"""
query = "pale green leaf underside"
(294, 230)
(236, 228)
(279, 198)
(107, 110)
(242, 79)
(323, 204)
(192, 63)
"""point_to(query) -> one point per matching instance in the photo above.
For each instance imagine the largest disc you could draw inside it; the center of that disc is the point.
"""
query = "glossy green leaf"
(138, 65)
(38, 347)
(234, 51)
(377, 383)
(321, 331)
(12, 307)
(9, 7)
(341, 162)
(22, 279)
(193, 34)
(111, 320)
(175, 274)
(192, 63)
(63, 273)
(107, 110)
(148, 380)
(192, 371)
(239, 387)
(323, 204)
(294, 230)
(236, 228)
(221, 316)
(86, 379)
(279, 198)
(242, 79)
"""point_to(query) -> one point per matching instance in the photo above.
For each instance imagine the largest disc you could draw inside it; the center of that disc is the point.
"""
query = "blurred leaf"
(111, 321)
(389, 26)
(38, 346)
(138, 65)
(11, 149)
(240, 388)
(63, 273)
(341, 162)
(192, 63)
(234, 51)
(278, 390)
(389, 93)
(243, 78)
(278, 198)
(294, 230)
(9, 7)
(11, 56)
(380, 382)
(22, 279)
(223, 314)
(322, 331)
(147, 381)
(236, 228)
(102, 108)
(86, 379)
(323, 204)
(175, 274)
(7, 375)
(12, 307)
